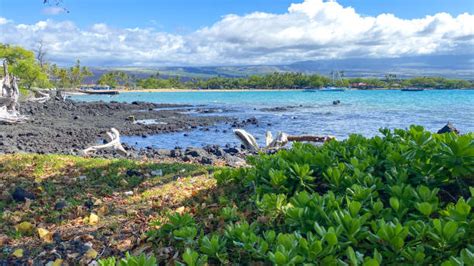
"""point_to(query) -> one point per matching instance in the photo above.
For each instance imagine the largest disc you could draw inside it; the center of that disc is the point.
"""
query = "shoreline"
(261, 90)
(68, 127)
(196, 90)
(78, 92)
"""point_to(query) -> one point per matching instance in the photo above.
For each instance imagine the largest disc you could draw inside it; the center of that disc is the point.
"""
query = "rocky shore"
(67, 127)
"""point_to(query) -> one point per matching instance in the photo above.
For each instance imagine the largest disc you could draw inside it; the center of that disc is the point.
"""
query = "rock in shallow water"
(448, 128)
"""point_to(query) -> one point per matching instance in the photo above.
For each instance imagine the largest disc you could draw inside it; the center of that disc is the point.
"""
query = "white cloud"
(3, 20)
(309, 30)
(53, 10)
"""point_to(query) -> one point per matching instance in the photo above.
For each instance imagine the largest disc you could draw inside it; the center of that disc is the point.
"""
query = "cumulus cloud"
(313, 29)
(3, 21)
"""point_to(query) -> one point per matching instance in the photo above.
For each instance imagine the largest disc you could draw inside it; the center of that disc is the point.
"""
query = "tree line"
(278, 80)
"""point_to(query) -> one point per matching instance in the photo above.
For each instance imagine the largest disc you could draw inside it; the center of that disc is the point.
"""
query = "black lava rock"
(57, 237)
(448, 128)
(60, 205)
(215, 150)
(196, 152)
(89, 204)
(206, 160)
(132, 172)
(20, 194)
(232, 150)
(175, 153)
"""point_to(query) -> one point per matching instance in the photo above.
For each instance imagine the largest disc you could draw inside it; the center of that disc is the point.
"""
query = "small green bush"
(129, 260)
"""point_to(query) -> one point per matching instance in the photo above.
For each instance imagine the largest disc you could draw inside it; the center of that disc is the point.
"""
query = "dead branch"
(114, 144)
(247, 140)
(40, 97)
(281, 140)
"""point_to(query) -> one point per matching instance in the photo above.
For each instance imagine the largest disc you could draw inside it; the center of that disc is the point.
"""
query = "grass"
(123, 193)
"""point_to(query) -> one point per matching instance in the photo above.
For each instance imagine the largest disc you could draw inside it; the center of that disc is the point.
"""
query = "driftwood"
(281, 140)
(40, 97)
(247, 140)
(9, 98)
(114, 144)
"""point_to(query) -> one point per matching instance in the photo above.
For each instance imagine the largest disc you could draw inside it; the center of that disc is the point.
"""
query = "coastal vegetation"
(23, 64)
(404, 197)
(33, 71)
(280, 80)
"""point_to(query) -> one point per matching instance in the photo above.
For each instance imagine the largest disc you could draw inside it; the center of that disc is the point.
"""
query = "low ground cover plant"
(405, 197)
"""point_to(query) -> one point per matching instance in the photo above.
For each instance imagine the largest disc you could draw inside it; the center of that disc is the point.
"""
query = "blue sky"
(188, 15)
(237, 32)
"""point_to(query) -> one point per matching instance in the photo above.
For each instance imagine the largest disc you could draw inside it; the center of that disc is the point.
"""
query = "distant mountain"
(450, 66)
(460, 66)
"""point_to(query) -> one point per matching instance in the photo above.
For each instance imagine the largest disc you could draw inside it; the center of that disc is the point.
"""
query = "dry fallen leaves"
(125, 245)
(18, 253)
(45, 235)
(57, 262)
(93, 219)
(102, 210)
(91, 254)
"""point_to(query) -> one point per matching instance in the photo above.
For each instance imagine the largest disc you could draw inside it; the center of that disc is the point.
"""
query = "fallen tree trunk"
(114, 144)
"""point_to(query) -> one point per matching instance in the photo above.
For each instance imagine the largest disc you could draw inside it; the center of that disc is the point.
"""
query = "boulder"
(232, 150)
(175, 153)
(234, 161)
(207, 160)
(196, 152)
(215, 150)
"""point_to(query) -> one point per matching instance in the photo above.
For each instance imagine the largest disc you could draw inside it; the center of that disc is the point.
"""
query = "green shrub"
(129, 260)
(405, 197)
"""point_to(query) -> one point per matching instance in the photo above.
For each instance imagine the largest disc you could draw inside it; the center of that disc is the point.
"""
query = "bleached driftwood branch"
(114, 144)
(9, 98)
(281, 139)
(40, 97)
(8, 117)
(247, 140)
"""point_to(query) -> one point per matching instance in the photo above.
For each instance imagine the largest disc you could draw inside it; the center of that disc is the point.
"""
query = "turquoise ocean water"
(362, 112)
